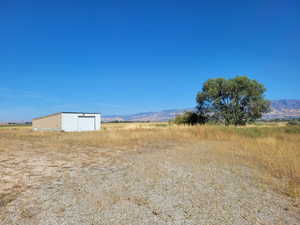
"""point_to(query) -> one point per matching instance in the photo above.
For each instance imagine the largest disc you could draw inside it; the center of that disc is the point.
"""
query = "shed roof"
(53, 114)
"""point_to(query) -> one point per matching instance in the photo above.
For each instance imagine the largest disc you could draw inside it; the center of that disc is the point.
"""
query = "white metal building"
(68, 121)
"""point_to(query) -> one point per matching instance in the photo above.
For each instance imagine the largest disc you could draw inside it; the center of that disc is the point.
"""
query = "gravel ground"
(171, 186)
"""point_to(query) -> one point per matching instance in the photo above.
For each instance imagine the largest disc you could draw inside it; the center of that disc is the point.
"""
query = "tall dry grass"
(274, 151)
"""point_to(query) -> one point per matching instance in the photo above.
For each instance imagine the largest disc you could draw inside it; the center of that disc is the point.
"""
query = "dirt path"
(171, 186)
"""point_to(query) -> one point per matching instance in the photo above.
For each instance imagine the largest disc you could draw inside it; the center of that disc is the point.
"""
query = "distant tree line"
(295, 121)
(287, 119)
(126, 121)
(236, 101)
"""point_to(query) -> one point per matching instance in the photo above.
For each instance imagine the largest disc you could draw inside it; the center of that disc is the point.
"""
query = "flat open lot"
(151, 174)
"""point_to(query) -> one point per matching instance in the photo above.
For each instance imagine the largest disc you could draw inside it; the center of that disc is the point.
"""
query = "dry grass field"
(151, 173)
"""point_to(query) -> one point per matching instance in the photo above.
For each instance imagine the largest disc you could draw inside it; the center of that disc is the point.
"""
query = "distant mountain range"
(284, 109)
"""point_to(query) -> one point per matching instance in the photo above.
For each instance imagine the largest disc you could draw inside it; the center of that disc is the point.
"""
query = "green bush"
(190, 118)
(294, 123)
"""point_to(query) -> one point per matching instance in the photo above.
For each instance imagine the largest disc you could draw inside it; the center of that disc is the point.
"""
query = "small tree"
(234, 101)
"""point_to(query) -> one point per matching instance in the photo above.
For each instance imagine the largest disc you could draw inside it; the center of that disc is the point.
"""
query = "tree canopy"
(234, 101)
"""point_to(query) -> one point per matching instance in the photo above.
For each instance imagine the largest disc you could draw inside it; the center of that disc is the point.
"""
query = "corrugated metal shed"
(68, 121)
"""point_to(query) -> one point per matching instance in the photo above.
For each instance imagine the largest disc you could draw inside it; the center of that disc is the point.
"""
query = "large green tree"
(234, 101)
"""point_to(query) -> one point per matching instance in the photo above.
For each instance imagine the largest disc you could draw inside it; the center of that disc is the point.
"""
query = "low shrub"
(189, 118)
(294, 123)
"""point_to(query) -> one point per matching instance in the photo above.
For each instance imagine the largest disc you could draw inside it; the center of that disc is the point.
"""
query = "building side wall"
(98, 121)
(47, 123)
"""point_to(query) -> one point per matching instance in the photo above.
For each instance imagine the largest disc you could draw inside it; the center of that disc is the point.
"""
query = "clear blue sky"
(122, 57)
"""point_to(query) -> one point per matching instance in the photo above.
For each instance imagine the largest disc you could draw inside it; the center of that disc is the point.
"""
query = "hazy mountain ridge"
(164, 115)
(284, 108)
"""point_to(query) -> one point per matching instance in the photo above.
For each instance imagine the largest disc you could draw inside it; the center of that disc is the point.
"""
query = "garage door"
(86, 123)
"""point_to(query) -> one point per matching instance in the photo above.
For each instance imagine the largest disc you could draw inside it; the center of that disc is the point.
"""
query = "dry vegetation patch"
(29, 158)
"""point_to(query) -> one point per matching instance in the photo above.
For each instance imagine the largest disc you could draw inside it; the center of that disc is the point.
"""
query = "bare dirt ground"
(160, 184)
